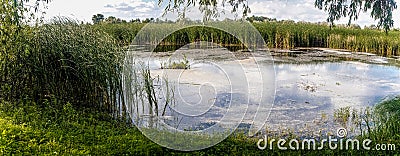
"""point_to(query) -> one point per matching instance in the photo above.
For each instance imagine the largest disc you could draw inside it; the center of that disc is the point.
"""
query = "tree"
(381, 10)
(111, 19)
(260, 19)
(97, 18)
(147, 20)
(114, 20)
(208, 7)
(137, 20)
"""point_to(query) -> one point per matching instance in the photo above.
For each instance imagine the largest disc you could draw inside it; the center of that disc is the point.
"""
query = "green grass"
(381, 123)
(50, 128)
(387, 121)
(33, 129)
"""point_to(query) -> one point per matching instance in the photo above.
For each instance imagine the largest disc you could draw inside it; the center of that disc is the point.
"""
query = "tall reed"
(64, 60)
(281, 34)
(79, 64)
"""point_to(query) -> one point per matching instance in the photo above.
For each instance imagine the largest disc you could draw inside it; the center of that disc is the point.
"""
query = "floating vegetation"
(342, 116)
(310, 87)
(184, 64)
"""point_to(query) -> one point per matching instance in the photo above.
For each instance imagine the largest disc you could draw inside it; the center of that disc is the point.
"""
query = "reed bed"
(283, 34)
(78, 64)
(63, 60)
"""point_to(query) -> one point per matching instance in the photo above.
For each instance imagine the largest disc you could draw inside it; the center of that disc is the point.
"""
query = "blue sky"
(297, 10)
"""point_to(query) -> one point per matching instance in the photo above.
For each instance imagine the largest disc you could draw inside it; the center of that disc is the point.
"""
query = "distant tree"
(255, 18)
(97, 18)
(371, 27)
(111, 19)
(137, 20)
(323, 23)
(148, 20)
(355, 26)
(260, 19)
(304, 22)
(288, 21)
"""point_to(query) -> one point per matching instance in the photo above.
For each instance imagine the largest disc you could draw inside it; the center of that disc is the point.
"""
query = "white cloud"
(298, 10)
(301, 10)
(132, 9)
(304, 10)
(83, 10)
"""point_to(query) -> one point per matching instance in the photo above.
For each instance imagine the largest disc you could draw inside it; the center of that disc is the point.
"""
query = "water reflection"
(304, 92)
(345, 83)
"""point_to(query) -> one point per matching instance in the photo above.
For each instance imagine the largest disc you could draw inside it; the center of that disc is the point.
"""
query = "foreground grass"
(49, 129)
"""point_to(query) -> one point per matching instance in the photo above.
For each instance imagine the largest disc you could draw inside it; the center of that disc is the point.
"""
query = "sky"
(297, 10)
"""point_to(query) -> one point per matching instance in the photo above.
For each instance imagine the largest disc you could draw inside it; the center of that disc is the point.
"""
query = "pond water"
(304, 92)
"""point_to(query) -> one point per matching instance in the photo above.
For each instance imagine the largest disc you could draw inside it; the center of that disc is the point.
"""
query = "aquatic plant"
(380, 123)
(387, 116)
(64, 60)
(276, 34)
(342, 115)
(184, 64)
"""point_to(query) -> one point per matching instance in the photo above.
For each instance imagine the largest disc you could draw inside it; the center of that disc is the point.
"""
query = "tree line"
(100, 18)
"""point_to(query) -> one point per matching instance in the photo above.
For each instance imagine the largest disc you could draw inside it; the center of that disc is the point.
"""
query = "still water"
(304, 92)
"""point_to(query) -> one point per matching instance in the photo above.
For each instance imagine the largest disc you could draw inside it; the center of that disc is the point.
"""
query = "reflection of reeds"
(146, 96)
(150, 92)
(169, 96)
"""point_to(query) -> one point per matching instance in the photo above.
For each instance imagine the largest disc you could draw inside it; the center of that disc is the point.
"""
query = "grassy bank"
(51, 128)
(33, 129)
